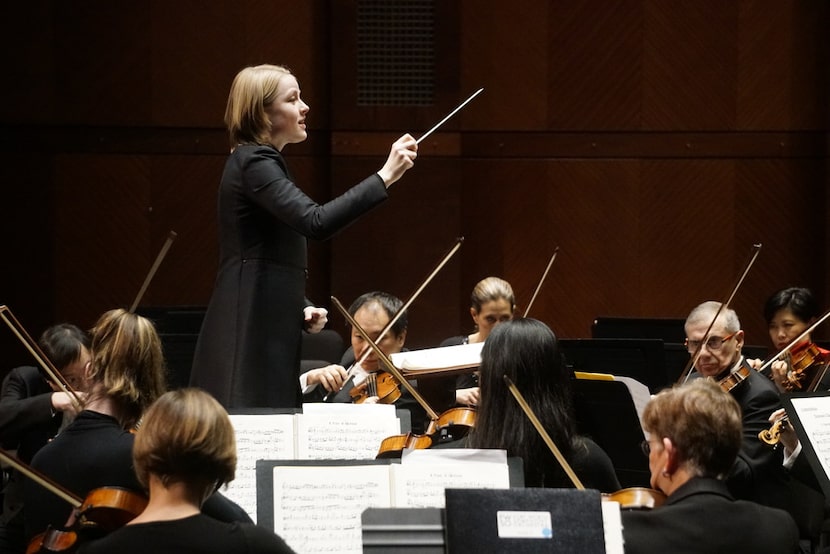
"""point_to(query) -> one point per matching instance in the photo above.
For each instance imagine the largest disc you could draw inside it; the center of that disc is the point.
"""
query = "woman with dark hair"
(184, 451)
(788, 313)
(526, 350)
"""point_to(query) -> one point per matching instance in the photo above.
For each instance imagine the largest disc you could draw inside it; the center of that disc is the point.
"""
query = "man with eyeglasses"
(757, 473)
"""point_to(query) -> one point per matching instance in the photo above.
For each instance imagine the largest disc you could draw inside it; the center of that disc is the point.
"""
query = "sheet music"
(318, 508)
(258, 437)
(814, 415)
(445, 357)
(345, 434)
(422, 485)
(639, 394)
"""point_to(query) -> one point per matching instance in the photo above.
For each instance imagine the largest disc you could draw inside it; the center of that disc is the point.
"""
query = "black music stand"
(641, 359)
(524, 521)
(606, 413)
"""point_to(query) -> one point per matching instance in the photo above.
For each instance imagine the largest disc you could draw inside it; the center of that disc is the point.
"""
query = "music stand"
(641, 359)
(809, 414)
(605, 412)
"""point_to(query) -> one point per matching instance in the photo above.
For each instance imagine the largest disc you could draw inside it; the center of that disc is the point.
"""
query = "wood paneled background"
(652, 141)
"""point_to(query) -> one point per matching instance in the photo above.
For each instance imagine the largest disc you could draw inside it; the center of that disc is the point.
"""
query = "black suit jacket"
(758, 473)
(701, 516)
(248, 351)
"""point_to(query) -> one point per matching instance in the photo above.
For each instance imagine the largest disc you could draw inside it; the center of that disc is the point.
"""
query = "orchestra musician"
(527, 351)
(32, 410)
(788, 313)
(125, 375)
(248, 351)
(757, 473)
(694, 437)
(491, 302)
(372, 311)
(185, 450)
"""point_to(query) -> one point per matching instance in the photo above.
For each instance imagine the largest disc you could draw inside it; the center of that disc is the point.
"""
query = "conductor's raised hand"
(315, 318)
(401, 157)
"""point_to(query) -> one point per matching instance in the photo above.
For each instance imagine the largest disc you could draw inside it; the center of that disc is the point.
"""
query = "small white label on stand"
(524, 525)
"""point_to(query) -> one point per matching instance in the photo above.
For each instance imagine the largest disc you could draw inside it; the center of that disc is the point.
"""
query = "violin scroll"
(772, 436)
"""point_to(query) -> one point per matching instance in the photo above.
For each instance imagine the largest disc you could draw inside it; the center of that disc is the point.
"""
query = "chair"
(320, 349)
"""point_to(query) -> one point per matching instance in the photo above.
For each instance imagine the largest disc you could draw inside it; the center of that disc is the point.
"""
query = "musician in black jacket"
(694, 437)
(32, 411)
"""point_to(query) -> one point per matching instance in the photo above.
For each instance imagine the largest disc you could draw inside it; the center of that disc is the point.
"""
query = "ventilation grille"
(395, 52)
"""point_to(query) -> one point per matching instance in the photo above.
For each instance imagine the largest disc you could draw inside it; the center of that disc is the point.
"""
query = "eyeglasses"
(713, 344)
(646, 447)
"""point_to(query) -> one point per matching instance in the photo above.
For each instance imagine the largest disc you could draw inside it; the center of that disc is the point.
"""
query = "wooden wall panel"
(399, 243)
(509, 68)
(101, 235)
(595, 55)
(689, 65)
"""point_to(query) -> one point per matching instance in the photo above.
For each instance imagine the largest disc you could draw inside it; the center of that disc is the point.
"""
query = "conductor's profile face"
(720, 351)
(373, 318)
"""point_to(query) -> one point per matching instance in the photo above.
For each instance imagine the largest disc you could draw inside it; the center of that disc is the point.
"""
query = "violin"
(393, 447)
(804, 372)
(402, 310)
(805, 359)
(772, 436)
(101, 511)
(636, 498)
(380, 384)
(452, 424)
(734, 379)
(398, 442)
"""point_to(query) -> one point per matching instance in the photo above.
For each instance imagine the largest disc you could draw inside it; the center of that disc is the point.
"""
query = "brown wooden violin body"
(452, 424)
(393, 447)
(636, 498)
(806, 364)
(380, 384)
(734, 379)
(103, 510)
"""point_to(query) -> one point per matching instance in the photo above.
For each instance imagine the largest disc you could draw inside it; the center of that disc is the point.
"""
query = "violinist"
(757, 473)
(527, 351)
(125, 375)
(185, 450)
(32, 411)
(491, 302)
(372, 311)
(788, 313)
(694, 437)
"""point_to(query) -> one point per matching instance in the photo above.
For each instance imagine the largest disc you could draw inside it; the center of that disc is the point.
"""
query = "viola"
(380, 384)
